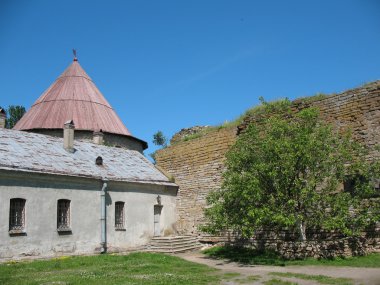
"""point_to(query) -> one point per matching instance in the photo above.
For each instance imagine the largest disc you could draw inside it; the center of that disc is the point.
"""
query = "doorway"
(157, 217)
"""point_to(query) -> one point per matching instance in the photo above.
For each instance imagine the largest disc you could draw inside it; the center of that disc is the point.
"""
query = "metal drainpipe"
(103, 217)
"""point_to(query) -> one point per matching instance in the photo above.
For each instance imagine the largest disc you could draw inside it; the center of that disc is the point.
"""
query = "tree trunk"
(302, 230)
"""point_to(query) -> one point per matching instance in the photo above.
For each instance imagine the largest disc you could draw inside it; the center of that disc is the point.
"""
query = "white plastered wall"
(139, 201)
(42, 193)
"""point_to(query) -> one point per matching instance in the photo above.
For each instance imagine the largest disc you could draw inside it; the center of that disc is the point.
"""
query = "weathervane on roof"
(75, 54)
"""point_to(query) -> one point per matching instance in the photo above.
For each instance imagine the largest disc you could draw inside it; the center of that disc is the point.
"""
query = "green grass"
(194, 136)
(321, 279)
(135, 268)
(313, 98)
(248, 279)
(236, 278)
(279, 282)
(252, 256)
(230, 275)
(210, 129)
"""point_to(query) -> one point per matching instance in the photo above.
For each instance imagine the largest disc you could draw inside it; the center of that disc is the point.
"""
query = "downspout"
(103, 223)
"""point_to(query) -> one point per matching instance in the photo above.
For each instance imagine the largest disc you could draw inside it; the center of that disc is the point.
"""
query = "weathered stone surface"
(197, 165)
(320, 244)
(357, 110)
(183, 133)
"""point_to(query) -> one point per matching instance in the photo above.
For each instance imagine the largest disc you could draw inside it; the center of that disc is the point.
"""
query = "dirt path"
(370, 276)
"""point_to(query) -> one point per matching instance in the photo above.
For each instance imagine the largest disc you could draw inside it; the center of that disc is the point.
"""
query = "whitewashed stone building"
(60, 195)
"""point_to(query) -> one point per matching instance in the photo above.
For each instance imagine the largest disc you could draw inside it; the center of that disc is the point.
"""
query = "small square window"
(119, 216)
(63, 215)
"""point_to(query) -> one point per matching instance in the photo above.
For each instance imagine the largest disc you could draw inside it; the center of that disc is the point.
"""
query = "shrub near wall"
(197, 164)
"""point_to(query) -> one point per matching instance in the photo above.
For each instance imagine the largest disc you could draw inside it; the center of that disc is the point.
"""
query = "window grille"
(119, 215)
(63, 215)
(17, 214)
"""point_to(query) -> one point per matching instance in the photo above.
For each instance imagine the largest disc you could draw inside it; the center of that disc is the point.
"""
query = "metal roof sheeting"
(73, 96)
(30, 152)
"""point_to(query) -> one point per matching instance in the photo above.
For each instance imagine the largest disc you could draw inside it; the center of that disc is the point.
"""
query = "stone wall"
(197, 167)
(197, 164)
(356, 109)
(185, 133)
(326, 248)
(320, 244)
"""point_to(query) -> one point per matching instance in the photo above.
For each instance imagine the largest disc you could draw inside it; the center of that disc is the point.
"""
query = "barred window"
(63, 215)
(119, 215)
(17, 215)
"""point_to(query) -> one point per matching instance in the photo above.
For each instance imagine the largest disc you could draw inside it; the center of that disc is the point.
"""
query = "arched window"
(119, 216)
(63, 215)
(17, 215)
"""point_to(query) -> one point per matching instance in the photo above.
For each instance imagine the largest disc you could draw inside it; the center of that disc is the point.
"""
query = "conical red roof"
(73, 96)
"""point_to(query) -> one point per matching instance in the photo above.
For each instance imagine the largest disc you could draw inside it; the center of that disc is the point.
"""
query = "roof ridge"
(45, 101)
(63, 76)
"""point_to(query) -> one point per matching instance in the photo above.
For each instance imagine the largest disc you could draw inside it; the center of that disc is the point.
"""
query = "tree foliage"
(285, 172)
(14, 114)
(159, 139)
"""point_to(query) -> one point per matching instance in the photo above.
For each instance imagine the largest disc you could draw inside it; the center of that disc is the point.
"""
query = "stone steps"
(174, 244)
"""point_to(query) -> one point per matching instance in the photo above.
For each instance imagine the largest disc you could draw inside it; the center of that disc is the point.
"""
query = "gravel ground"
(370, 276)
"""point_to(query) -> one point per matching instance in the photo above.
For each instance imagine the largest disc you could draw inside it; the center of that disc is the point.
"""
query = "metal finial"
(75, 54)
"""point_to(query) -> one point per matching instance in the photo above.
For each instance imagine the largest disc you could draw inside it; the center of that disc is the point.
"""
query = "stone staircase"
(175, 244)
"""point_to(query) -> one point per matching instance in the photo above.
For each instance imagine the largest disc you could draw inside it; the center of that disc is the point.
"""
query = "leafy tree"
(14, 115)
(159, 139)
(284, 172)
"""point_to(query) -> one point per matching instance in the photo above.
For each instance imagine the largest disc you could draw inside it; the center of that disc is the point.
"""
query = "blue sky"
(167, 65)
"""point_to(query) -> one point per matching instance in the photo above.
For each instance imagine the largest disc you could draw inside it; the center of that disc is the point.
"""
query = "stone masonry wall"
(356, 109)
(324, 248)
(197, 167)
(197, 164)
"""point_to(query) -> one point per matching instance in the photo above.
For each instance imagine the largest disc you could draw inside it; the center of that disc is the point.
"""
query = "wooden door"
(157, 217)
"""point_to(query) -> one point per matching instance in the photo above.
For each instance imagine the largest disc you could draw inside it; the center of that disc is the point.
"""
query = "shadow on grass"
(245, 255)
(252, 256)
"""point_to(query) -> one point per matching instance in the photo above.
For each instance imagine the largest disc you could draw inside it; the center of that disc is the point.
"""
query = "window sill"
(17, 233)
(66, 231)
(120, 230)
